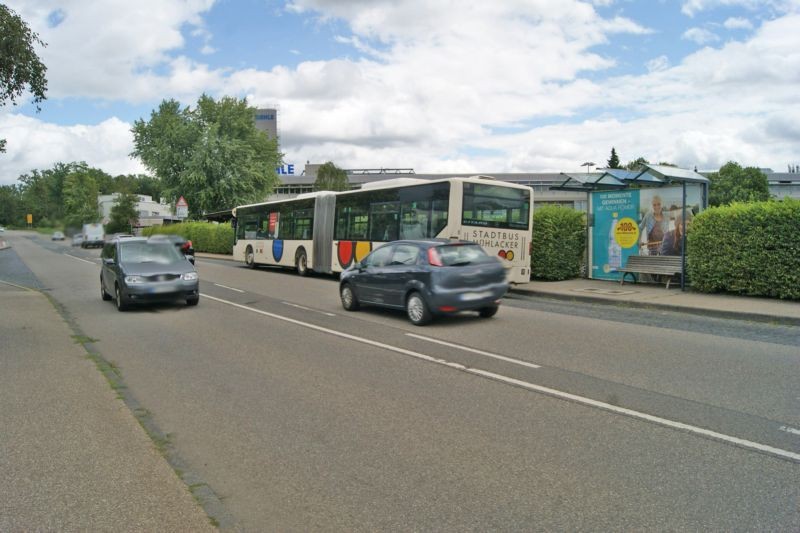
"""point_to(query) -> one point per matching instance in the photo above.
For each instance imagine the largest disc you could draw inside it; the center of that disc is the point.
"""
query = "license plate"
(471, 296)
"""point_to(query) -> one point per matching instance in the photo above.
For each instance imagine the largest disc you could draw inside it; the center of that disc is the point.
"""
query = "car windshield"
(462, 254)
(148, 252)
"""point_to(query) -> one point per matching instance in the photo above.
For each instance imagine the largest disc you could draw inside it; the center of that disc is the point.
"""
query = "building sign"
(285, 169)
(182, 208)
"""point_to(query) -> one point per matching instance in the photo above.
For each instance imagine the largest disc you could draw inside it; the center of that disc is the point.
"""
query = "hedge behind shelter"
(751, 249)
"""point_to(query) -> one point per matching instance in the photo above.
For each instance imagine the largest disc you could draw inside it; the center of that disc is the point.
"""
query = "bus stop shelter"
(637, 212)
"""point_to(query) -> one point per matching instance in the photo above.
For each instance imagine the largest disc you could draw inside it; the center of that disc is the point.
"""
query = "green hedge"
(559, 240)
(205, 236)
(751, 249)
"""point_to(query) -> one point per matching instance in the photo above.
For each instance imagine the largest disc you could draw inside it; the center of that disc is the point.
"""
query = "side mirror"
(108, 261)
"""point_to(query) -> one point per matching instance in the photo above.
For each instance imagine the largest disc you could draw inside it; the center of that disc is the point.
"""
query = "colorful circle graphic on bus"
(277, 250)
(506, 254)
(626, 232)
(347, 251)
(362, 249)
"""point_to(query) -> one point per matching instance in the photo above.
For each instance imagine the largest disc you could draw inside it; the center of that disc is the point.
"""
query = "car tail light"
(433, 257)
(447, 308)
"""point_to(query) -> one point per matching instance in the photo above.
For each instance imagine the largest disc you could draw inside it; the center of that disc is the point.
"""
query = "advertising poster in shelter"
(638, 222)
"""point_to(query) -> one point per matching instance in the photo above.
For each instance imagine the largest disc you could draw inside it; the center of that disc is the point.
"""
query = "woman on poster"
(673, 240)
(653, 227)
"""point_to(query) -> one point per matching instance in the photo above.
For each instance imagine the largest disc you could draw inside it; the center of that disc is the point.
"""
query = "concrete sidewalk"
(72, 455)
(655, 296)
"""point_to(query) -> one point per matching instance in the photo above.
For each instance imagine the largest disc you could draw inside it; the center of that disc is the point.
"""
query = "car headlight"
(189, 276)
(134, 279)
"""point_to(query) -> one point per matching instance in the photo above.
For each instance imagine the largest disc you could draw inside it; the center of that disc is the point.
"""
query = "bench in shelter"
(658, 265)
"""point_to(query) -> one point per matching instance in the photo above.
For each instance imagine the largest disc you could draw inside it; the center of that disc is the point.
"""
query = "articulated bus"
(327, 232)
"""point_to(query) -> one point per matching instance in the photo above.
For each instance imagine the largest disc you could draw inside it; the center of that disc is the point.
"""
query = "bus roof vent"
(395, 182)
(483, 177)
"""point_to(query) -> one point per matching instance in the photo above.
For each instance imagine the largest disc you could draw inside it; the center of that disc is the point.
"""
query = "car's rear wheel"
(103, 294)
(249, 257)
(349, 299)
(301, 262)
(488, 312)
(120, 300)
(193, 300)
(417, 309)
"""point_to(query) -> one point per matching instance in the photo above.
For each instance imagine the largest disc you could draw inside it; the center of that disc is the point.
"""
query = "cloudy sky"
(434, 85)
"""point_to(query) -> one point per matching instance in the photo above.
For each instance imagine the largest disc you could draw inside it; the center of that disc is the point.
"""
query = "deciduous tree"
(331, 178)
(20, 67)
(212, 155)
(736, 184)
(123, 213)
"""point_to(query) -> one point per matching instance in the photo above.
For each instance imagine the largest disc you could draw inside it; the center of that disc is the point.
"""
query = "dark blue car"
(426, 278)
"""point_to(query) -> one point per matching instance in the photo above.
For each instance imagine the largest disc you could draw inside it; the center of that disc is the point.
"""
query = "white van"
(93, 236)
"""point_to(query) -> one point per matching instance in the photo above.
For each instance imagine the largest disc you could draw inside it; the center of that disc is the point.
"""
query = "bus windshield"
(495, 206)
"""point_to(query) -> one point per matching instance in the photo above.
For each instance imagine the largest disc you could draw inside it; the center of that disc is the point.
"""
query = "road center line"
(473, 350)
(755, 446)
(79, 259)
(229, 288)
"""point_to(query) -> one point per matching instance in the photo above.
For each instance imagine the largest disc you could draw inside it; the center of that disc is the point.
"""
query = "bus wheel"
(301, 262)
(249, 257)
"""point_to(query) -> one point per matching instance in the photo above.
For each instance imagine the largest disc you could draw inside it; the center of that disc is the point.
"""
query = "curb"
(718, 313)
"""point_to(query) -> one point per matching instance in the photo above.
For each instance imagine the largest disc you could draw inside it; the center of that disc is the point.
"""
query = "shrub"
(559, 240)
(205, 236)
(751, 249)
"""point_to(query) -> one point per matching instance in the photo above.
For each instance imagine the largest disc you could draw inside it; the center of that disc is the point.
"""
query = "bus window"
(414, 219)
(495, 207)
(351, 222)
(303, 223)
(384, 221)
(438, 217)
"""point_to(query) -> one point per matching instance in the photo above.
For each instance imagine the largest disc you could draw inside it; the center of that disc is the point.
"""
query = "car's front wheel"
(417, 309)
(349, 299)
(120, 300)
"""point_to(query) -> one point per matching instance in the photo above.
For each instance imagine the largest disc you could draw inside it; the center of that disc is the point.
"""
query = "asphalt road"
(301, 416)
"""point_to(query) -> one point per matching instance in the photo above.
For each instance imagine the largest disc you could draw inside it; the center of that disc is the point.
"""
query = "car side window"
(108, 251)
(405, 254)
(379, 257)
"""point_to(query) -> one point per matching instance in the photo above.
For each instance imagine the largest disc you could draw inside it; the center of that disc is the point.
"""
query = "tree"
(736, 184)
(20, 67)
(212, 155)
(123, 213)
(331, 178)
(613, 161)
(11, 211)
(80, 199)
(637, 163)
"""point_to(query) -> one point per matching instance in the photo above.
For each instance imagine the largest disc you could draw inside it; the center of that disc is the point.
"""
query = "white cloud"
(737, 23)
(33, 144)
(700, 36)
(658, 63)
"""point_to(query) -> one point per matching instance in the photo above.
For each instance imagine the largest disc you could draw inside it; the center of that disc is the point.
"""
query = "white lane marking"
(481, 352)
(229, 288)
(788, 429)
(743, 443)
(308, 309)
(79, 259)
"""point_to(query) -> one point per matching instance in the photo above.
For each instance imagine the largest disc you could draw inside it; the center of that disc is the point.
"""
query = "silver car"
(136, 270)
(426, 278)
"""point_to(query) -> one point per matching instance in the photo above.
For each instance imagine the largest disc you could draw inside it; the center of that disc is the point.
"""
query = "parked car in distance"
(77, 239)
(137, 270)
(181, 243)
(57, 236)
(426, 278)
(2, 229)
